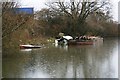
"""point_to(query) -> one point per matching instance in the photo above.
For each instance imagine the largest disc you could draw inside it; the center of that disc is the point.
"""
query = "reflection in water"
(26, 50)
(88, 61)
(63, 47)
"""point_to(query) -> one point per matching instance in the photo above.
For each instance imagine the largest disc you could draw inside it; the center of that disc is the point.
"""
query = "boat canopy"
(68, 37)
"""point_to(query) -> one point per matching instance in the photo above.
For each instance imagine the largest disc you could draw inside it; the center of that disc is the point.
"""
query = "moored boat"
(29, 46)
(85, 42)
(82, 40)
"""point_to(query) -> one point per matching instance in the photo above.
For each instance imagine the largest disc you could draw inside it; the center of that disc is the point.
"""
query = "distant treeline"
(50, 24)
(77, 18)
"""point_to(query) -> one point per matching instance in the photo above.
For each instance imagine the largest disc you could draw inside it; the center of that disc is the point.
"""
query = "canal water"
(84, 61)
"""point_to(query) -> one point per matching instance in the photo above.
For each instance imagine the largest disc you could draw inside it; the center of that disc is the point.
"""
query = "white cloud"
(115, 9)
(37, 4)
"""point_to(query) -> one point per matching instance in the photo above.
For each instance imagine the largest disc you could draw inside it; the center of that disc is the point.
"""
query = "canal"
(83, 61)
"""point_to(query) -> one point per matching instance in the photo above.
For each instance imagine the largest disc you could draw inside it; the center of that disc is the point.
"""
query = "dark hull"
(80, 42)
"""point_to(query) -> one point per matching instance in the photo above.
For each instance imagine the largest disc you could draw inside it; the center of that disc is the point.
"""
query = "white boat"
(29, 46)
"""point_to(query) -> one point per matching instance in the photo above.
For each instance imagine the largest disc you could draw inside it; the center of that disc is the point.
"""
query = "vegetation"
(71, 18)
(77, 18)
(16, 28)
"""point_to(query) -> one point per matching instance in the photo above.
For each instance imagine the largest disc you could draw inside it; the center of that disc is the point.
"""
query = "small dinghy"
(29, 46)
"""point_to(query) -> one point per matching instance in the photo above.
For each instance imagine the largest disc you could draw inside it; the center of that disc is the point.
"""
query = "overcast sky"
(38, 4)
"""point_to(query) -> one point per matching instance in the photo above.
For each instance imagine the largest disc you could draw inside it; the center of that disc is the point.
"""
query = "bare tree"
(77, 12)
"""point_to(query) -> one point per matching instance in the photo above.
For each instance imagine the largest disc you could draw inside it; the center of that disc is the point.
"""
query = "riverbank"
(43, 40)
(14, 43)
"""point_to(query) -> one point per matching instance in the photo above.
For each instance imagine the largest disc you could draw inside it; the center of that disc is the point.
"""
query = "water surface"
(85, 61)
